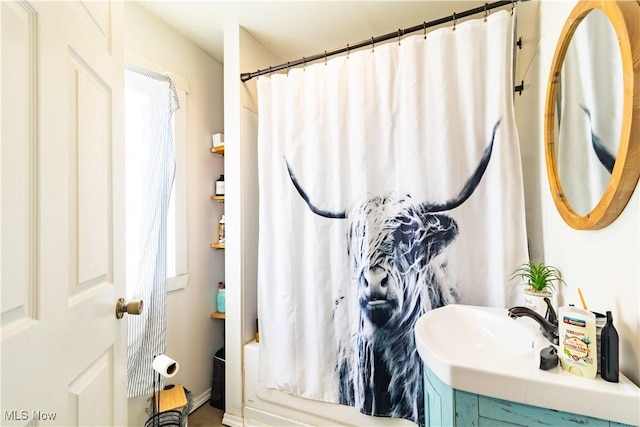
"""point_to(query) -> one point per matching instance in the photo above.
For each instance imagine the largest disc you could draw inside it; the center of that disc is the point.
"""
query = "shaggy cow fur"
(395, 251)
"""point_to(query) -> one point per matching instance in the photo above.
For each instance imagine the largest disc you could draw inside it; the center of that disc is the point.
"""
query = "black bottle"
(609, 345)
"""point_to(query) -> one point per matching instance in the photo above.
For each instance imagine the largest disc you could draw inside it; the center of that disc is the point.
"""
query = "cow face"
(390, 244)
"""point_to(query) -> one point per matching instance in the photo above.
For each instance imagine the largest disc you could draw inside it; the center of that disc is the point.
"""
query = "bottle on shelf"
(220, 186)
(220, 298)
(609, 357)
(221, 230)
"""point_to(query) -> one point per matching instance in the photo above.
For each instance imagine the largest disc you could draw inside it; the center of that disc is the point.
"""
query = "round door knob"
(131, 307)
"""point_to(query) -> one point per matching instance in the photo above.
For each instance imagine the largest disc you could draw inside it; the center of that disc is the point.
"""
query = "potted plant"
(540, 281)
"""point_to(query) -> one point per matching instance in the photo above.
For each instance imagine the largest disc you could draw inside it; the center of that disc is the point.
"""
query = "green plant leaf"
(538, 277)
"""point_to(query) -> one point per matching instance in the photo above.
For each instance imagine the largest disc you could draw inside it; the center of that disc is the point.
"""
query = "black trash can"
(217, 381)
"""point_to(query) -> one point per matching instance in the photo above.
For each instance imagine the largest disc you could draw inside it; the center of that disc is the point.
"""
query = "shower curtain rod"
(373, 40)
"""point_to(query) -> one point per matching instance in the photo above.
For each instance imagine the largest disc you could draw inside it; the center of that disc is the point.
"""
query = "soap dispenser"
(609, 370)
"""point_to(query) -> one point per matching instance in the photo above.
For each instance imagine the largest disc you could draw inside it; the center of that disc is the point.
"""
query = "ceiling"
(293, 29)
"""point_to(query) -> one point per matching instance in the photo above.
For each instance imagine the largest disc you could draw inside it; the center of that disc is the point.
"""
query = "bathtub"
(267, 407)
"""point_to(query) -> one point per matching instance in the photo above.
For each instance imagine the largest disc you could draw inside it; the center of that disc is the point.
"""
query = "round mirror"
(592, 117)
(588, 114)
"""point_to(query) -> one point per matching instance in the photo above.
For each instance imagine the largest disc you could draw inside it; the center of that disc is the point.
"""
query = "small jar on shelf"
(220, 186)
(221, 230)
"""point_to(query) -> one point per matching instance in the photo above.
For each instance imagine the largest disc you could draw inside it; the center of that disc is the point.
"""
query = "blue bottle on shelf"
(220, 298)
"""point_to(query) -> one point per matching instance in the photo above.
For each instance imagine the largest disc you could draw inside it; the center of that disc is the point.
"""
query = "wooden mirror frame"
(625, 18)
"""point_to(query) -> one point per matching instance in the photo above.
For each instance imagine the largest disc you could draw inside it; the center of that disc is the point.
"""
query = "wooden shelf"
(219, 150)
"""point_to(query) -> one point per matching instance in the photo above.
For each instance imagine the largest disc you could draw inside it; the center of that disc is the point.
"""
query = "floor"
(206, 416)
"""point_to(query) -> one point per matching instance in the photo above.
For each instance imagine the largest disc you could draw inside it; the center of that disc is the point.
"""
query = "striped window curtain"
(150, 100)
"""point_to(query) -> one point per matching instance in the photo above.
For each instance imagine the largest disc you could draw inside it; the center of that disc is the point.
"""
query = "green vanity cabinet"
(445, 406)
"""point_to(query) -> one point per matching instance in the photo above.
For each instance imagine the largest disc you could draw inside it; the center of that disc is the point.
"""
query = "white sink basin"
(479, 332)
(482, 350)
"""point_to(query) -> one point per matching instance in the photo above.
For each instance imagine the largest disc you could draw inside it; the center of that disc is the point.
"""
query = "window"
(176, 229)
(177, 276)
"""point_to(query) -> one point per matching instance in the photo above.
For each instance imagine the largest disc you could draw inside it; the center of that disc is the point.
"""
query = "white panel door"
(62, 214)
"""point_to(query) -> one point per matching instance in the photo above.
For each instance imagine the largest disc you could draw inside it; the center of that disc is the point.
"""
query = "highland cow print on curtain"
(390, 185)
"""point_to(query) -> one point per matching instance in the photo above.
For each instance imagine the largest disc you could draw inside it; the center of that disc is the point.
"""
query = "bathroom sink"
(478, 333)
(482, 350)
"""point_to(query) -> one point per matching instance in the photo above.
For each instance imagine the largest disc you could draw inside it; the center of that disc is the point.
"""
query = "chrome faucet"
(548, 326)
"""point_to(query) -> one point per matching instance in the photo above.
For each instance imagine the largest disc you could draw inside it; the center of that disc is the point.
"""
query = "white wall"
(192, 336)
(241, 53)
(604, 263)
(527, 107)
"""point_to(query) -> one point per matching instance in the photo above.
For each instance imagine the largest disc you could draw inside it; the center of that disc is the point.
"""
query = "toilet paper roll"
(165, 366)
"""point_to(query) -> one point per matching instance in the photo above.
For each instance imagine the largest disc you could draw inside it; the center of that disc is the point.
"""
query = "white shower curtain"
(390, 184)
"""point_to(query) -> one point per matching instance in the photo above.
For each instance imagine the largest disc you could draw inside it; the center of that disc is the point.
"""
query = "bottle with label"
(221, 230)
(220, 186)
(577, 336)
(220, 298)
(601, 320)
(610, 351)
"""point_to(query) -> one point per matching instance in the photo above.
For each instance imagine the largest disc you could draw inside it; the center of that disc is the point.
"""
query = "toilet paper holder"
(131, 307)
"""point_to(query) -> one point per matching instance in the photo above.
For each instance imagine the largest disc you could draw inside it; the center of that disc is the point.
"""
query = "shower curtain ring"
(486, 12)
(399, 36)
(513, 6)
(455, 21)
(304, 64)
(325, 57)
(373, 45)
(424, 29)
(347, 50)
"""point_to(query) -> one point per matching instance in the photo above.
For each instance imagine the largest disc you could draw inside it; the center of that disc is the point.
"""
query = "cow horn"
(472, 182)
(607, 159)
(305, 197)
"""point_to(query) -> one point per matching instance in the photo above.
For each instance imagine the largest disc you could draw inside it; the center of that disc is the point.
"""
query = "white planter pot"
(535, 300)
